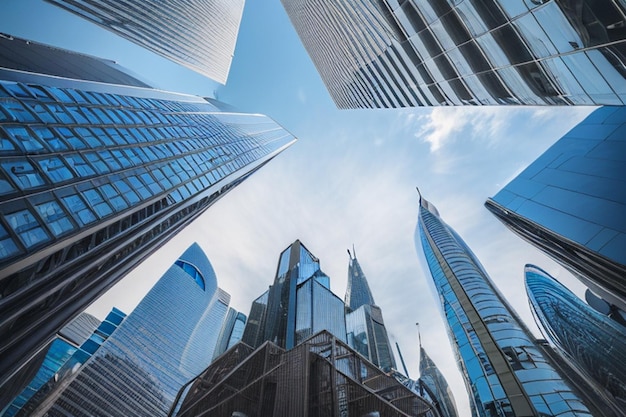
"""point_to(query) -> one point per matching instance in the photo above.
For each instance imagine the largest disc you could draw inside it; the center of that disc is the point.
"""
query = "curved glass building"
(199, 34)
(167, 340)
(594, 342)
(403, 53)
(94, 177)
(505, 372)
(231, 333)
(570, 203)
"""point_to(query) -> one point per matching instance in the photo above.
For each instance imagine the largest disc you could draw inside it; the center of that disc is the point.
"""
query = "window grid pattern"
(496, 353)
(399, 53)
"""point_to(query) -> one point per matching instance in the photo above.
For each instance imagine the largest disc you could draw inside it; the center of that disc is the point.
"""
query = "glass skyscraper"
(365, 327)
(435, 387)
(320, 377)
(94, 177)
(505, 372)
(402, 53)
(167, 340)
(570, 203)
(232, 331)
(593, 342)
(297, 305)
(198, 34)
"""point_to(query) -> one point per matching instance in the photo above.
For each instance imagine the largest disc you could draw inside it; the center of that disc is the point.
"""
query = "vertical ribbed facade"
(93, 178)
(167, 340)
(504, 370)
(401, 53)
(198, 34)
(570, 203)
(595, 343)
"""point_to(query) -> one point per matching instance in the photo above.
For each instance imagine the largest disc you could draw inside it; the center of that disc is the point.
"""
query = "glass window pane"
(76, 206)
(55, 169)
(24, 139)
(27, 228)
(23, 174)
(54, 216)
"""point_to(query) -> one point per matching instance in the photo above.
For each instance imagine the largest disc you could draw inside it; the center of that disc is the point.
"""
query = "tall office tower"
(365, 328)
(298, 304)
(199, 34)
(593, 342)
(62, 360)
(434, 383)
(400, 53)
(167, 340)
(504, 370)
(570, 203)
(232, 330)
(94, 177)
(320, 377)
(47, 362)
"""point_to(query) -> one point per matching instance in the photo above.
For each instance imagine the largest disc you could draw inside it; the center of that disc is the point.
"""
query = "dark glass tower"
(402, 53)
(505, 371)
(435, 386)
(365, 327)
(167, 340)
(570, 203)
(593, 342)
(94, 177)
(318, 378)
(199, 34)
(298, 304)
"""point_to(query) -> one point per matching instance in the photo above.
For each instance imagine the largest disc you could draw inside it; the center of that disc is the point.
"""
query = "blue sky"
(350, 178)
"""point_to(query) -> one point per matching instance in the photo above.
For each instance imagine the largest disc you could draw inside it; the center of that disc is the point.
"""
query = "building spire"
(406, 371)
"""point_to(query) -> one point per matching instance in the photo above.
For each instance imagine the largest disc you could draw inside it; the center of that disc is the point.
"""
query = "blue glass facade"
(62, 361)
(435, 385)
(199, 35)
(402, 53)
(297, 305)
(594, 342)
(365, 327)
(571, 201)
(505, 372)
(93, 178)
(231, 333)
(167, 340)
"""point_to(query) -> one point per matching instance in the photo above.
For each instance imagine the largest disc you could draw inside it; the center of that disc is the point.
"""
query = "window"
(192, 271)
(127, 192)
(24, 139)
(55, 169)
(77, 207)
(7, 246)
(95, 200)
(97, 163)
(113, 197)
(54, 216)
(48, 137)
(78, 164)
(23, 173)
(27, 228)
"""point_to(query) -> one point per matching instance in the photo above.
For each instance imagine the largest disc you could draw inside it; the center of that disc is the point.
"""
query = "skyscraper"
(402, 53)
(365, 327)
(593, 342)
(570, 203)
(435, 385)
(94, 177)
(505, 372)
(297, 305)
(199, 34)
(62, 359)
(167, 340)
(320, 377)
(231, 333)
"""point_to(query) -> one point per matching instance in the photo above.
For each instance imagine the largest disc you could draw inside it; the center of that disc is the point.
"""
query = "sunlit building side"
(95, 176)
(592, 341)
(570, 203)
(167, 340)
(200, 35)
(505, 372)
(404, 53)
